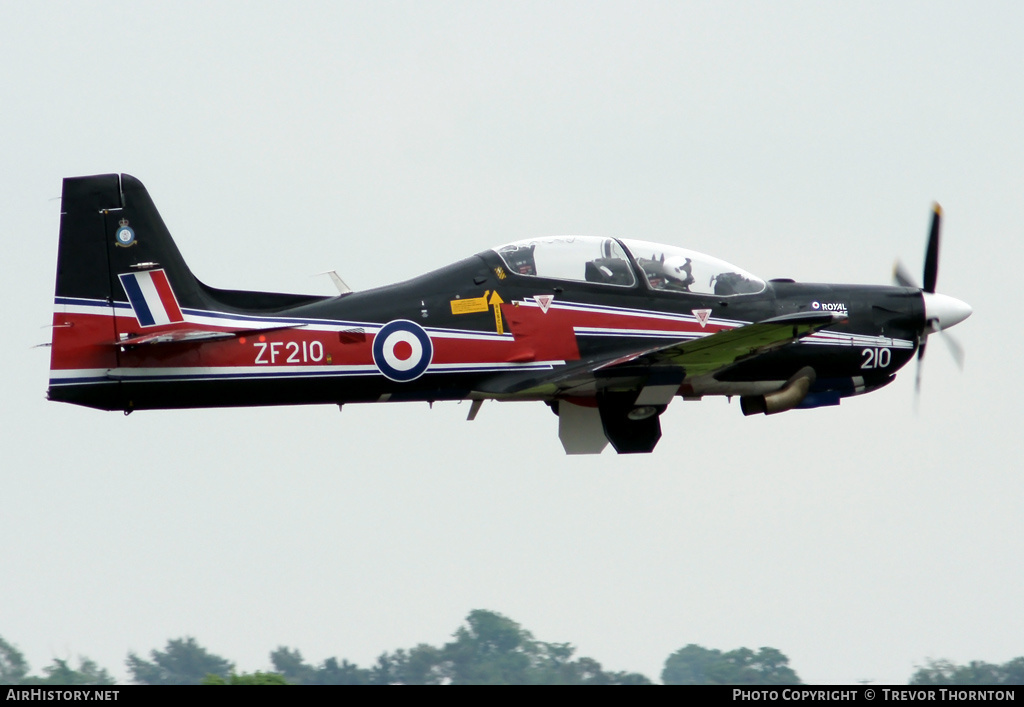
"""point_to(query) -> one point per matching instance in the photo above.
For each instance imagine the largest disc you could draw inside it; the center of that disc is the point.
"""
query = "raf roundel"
(402, 350)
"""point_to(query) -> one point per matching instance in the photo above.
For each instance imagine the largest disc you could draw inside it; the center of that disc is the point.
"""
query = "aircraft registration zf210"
(605, 331)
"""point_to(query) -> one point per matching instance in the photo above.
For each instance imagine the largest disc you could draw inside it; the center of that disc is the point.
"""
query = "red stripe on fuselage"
(89, 341)
(554, 332)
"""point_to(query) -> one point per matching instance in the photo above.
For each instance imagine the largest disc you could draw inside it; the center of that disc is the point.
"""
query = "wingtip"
(937, 208)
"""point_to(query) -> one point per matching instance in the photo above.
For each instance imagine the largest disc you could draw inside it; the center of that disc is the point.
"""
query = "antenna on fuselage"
(343, 289)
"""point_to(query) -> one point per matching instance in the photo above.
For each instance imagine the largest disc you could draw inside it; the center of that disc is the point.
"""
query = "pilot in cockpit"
(675, 273)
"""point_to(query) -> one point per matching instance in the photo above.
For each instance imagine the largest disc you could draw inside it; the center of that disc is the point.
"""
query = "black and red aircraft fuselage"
(606, 331)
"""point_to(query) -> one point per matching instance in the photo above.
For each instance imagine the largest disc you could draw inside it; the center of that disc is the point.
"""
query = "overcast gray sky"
(384, 139)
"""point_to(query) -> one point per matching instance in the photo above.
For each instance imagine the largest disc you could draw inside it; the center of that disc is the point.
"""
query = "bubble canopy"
(613, 262)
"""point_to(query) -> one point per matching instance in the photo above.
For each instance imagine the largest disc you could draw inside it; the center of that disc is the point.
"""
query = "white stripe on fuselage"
(835, 338)
(69, 376)
(221, 321)
(630, 312)
(233, 321)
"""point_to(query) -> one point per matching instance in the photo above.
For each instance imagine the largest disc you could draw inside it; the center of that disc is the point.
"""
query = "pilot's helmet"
(679, 265)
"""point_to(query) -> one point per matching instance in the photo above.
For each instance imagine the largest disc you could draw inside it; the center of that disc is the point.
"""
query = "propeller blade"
(941, 311)
(901, 277)
(920, 364)
(955, 349)
(931, 258)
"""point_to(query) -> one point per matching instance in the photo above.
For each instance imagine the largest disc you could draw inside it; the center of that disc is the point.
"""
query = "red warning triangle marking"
(545, 301)
(702, 316)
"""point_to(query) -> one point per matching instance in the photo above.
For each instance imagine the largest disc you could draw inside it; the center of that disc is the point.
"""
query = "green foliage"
(945, 672)
(60, 673)
(13, 666)
(256, 678)
(289, 664)
(1013, 672)
(422, 665)
(344, 673)
(696, 665)
(14, 670)
(490, 649)
(184, 662)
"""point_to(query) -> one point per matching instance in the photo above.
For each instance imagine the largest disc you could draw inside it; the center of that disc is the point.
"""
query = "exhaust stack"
(786, 398)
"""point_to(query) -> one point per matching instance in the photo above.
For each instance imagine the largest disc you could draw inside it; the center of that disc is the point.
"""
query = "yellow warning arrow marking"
(496, 302)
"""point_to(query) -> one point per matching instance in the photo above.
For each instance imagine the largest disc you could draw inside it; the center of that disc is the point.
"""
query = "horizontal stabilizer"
(181, 336)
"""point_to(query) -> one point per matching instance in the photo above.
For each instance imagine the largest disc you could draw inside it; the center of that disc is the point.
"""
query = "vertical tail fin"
(109, 227)
(117, 270)
(119, 274)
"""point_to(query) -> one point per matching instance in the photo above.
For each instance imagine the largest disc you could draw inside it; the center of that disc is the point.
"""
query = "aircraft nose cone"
(943, 311)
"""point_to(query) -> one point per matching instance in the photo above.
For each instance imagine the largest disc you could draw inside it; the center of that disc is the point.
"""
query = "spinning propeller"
(940, 311)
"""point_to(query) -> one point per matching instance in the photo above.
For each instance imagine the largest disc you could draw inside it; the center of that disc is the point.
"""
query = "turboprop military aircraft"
(605, 331)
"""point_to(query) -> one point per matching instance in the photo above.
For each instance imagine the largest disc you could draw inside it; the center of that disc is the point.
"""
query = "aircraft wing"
(722, 349)
(667, 365)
